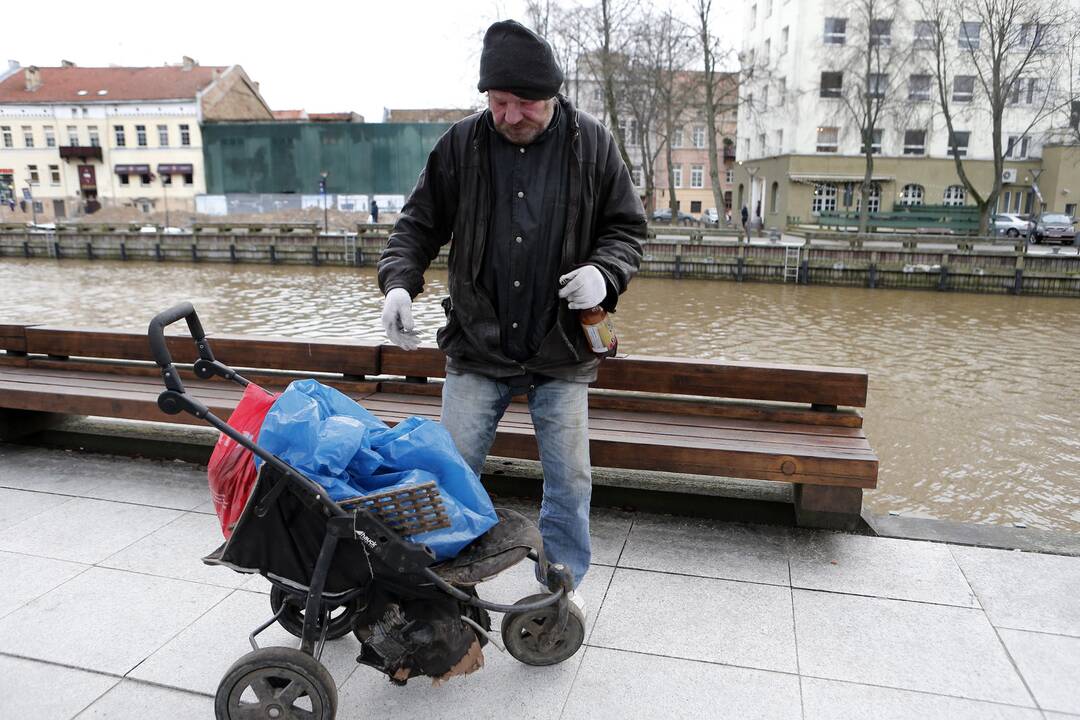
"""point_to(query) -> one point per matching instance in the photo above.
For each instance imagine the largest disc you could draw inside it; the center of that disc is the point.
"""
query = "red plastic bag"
(232, 468)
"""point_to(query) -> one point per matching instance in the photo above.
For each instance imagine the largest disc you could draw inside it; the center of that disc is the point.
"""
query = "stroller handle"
(156, 333)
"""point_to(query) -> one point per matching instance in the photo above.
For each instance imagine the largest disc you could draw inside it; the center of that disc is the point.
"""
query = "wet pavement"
(107, 612)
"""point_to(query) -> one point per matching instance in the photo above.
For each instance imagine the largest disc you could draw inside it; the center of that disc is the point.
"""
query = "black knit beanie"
(518, 61)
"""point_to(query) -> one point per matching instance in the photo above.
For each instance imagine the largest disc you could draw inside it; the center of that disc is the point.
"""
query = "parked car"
(711, 218)
(1055, 226)
(1013, 225)
(663, 215)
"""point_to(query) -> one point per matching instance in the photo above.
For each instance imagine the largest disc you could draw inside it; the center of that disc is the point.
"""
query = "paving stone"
(56, 471)
(1050, 665)
(503, 688)
(735, 623)
(831, 700)
(25, 577)
(19, 505)
(615, 684)
(906, 645)
(130, 700)
(1024, 591)
(84, 530)
(882, 567)
(176, 550)
(105, 620)
(33, 690)
(157, 483)
(708, 548)
(197, 658)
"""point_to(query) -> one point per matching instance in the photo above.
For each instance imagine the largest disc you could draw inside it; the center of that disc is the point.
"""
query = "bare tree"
(719, 97)
(1011, 46)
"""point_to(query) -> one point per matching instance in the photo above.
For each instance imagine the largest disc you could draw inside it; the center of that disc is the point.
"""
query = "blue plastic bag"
(334, 441)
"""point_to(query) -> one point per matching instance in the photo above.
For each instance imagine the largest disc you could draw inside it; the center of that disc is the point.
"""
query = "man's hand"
(583, 287)
(397, 319)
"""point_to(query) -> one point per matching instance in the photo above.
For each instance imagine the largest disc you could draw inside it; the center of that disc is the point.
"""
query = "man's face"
(518, 120)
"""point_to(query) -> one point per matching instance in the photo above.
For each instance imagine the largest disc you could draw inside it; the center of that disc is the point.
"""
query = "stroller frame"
(412, 561)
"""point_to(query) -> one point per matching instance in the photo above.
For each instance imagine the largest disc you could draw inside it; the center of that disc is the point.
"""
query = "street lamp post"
(751, 170)
(166, 179)
(322, 191)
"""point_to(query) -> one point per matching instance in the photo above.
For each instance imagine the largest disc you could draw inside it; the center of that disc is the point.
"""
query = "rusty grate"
(408, 511)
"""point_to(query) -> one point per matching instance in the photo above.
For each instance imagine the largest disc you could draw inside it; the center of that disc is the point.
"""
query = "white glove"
(397, 319)
(583, 287)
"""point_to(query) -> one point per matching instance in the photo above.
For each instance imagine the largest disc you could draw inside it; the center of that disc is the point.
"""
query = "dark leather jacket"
(605, 225)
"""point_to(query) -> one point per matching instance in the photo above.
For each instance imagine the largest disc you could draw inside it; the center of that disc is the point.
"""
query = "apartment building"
(799, 150)
(75, 139)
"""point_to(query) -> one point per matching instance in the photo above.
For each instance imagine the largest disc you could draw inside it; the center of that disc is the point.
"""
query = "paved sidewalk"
(106, 612)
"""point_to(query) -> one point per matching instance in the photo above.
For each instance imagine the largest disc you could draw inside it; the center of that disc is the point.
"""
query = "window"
(774, 197)
(875, 142)
(118, 130)
(6, 132)
(784, 35)
(729, 176)
(761, 144)
(960, 140)
(924, 35)
(969, 35)
(781, 90)
(954, 196)
(877, 84)
(28, 136)
(140, 135)
(1032, 35)
(914, 142)
(1025, 90)
(911, 195)
(32, 171)
(873, 201)
(695, 206)
(832, 84)
(919, 87)
(768, 51)
(824, 199)
(597, 95)
(54, 174)
(124, 179)
(163, 135)
(753, 16)
(95, 139)
(50, 136)
(676, 138)
(73, 135)
(189, 179)
(1017, 147)
(676, 175)
(835, 31)
(880, 33)
(751, 61)
(828, 139)
(963, 89)
(144, 178)
(166, 178)
(697, 176)
(699, 136)
(765, 97)
(779, 142)
(768, 8)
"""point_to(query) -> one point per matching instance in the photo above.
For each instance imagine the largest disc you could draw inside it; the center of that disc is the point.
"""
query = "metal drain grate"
(409, 511)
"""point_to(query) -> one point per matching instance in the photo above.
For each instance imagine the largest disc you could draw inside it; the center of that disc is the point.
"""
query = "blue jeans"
(472, 406)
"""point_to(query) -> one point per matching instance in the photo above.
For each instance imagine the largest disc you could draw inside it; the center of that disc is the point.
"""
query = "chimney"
(66, 63)
(33, 78)
(189, 63)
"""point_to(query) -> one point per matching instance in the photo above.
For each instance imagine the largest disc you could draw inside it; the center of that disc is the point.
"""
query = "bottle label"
(601, 336)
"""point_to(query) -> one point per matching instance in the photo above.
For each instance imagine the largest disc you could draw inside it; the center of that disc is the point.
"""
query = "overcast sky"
(319, 55)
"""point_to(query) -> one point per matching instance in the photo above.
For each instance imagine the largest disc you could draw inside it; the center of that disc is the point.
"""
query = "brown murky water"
(974, 404)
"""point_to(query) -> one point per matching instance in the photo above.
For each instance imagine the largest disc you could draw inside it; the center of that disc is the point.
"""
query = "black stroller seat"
(510, 541)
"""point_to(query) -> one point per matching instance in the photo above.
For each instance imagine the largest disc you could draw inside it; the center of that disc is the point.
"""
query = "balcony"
(80, 152)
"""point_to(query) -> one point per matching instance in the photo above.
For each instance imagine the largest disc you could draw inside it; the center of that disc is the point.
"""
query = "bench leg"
(15, 424)
(828, 506)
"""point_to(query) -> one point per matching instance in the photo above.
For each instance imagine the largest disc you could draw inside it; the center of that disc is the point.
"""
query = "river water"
(974, 401)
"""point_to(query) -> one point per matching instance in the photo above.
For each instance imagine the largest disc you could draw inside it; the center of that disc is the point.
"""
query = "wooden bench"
(790, 424)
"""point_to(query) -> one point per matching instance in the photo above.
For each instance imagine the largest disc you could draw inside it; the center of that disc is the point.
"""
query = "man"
(544, 220)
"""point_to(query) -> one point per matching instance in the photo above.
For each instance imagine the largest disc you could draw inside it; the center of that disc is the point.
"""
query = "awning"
(838, 178)
(132, 169)
(175, 169)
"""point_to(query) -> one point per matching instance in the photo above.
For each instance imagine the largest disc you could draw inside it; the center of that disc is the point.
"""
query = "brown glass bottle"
(599, 330)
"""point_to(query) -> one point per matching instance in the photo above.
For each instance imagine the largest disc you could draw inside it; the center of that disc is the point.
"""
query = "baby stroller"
(346, 567)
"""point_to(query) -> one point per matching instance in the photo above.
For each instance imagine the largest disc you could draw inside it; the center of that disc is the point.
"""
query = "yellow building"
(74, 139)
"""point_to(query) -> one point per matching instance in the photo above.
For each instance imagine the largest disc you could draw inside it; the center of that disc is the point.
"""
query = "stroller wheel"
(522, 634)
(276, 682)
(293, 618)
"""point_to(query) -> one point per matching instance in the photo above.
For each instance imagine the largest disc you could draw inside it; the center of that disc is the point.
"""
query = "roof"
(64, 84)
(335, 117)
(290, 115)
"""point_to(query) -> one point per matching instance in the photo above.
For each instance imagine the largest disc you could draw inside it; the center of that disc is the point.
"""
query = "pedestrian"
(727, 216)
(745, 220)
(374, 211)
(545, 221)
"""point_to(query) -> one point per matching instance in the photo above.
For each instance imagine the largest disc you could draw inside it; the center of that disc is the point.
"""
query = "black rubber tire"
(1012, 232)
(293, 617)
(519, 633)
(273, 670)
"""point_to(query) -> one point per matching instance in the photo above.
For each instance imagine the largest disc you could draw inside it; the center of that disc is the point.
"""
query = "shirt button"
(517, 283)
(517, 239)
(522, 150)
(513, 325)
(521, 194)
